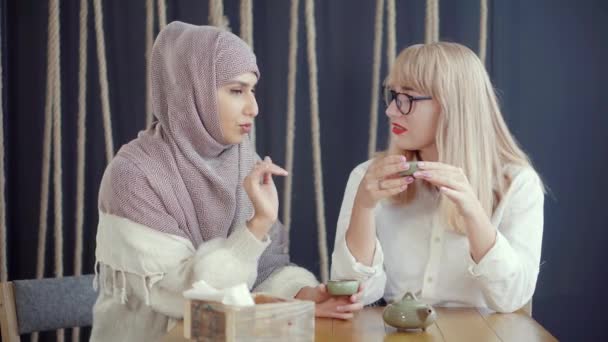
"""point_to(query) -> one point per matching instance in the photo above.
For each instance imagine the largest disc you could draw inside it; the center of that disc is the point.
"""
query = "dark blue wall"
(546, 59)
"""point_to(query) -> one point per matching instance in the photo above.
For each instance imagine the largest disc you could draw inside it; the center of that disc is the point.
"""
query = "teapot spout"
(424, 313)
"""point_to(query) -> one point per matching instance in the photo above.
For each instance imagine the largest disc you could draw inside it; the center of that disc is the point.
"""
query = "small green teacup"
(342, 287)
(413, 168)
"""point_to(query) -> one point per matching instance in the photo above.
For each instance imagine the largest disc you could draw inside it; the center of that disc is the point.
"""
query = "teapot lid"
(409, 296)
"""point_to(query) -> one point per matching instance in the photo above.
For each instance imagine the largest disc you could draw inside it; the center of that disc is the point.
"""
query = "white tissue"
(238, 295)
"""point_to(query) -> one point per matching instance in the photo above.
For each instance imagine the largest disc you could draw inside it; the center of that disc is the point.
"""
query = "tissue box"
(270, 319)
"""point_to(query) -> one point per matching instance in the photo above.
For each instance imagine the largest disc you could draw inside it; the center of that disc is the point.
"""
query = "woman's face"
(237, 107)
(416, 130)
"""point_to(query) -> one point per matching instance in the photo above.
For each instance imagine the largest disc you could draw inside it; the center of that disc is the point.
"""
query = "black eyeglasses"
(404, 101)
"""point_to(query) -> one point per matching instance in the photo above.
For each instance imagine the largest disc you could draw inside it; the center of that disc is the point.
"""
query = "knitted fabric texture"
(179, 176)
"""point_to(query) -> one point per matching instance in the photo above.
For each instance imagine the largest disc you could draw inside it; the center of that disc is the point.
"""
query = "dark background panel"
(546, 59)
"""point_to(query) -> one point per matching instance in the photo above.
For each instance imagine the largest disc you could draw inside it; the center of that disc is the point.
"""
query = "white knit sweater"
(143, 272)
(416, 252)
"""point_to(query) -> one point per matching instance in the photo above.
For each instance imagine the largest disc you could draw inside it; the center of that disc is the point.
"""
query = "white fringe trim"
(96, 277)
(119, 284)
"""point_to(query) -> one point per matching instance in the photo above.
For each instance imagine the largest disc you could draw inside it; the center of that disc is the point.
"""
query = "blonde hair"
(471, 132)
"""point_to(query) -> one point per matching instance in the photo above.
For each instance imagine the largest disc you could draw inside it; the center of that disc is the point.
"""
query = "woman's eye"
(236, 91)
(253, 90)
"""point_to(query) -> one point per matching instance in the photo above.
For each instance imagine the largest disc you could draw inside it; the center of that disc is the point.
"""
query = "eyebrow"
(242, 84)
(406, 88)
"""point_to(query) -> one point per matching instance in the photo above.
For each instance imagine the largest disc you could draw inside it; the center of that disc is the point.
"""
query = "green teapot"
(409, 313)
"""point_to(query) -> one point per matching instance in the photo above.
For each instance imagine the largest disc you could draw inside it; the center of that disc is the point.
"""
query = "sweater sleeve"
(287, 281)
(276, 274)
(221, 263)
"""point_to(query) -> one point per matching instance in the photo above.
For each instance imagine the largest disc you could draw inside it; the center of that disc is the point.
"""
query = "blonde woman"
(466, 228)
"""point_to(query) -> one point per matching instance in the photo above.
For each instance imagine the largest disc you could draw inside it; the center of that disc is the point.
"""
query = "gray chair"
(28, 306)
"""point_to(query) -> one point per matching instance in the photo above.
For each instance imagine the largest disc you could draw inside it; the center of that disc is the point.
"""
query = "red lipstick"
(398, 129)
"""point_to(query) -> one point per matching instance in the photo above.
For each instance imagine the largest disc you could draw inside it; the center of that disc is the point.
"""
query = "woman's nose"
(251, 109)
(392, 111)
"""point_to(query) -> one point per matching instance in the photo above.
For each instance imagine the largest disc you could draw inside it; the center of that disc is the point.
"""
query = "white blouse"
(415, 252)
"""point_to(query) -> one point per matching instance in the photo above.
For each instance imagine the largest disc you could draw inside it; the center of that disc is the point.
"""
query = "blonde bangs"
(414, 68)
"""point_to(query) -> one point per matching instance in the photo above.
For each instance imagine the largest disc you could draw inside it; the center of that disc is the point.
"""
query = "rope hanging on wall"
(50, 104)
(391, 39)
(81, 158)
(103, 79)
(149, 43)
(3, 230)
(246, 32)
(291, 113)
(483, 30)
(52, 129)
(57, 146)
(246, 11)
(80, 184)
(57, 155)
(162, 14)
(46, 159)
(311, 36)
(216, 14)
(377, 63)
(432, 21)
(162, 22)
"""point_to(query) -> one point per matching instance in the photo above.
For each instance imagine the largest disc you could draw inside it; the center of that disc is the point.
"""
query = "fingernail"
(419, 174)
(408, 180)
(340, 308)
(403, 159)
(420, 164)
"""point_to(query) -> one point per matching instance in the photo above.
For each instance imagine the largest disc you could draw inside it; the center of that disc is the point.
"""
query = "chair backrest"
(47, 304)
(8, 315)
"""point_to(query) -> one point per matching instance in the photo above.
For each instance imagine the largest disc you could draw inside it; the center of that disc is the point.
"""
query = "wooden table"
(452, 324)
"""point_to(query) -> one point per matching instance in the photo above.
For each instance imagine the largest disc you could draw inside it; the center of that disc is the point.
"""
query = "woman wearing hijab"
(189, 199)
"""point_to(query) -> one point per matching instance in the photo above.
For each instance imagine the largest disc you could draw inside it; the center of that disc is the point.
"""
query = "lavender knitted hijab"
(180, 177)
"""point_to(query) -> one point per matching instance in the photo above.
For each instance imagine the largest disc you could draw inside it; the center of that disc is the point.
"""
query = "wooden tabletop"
(452, 324)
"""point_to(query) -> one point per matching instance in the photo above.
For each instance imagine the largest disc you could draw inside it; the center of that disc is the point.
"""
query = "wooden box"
(271, 319)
